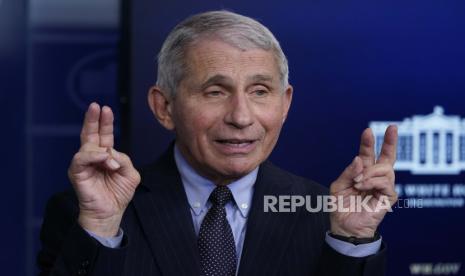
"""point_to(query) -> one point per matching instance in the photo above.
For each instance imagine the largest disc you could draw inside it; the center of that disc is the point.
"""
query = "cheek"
(194, 122)
(271, 121)
(273, 128)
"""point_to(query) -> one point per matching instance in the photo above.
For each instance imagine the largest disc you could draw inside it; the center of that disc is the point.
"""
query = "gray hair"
(237, 30)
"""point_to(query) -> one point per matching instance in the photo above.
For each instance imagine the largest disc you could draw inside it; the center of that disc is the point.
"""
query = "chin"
(238, 167)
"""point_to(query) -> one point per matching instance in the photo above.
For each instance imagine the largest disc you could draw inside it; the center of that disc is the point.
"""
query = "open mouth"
(235, 142)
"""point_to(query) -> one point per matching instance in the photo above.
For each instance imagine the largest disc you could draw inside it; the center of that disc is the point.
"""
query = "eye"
(214, 93)
(260, 92)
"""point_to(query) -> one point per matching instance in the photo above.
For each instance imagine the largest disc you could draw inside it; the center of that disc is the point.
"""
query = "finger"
(90, 127)
(382, 184)
(122, 159)
(112, 164)
(83, 159)
(389, 149)
(106, 127)
(367, 148)
(379, 170)
(348, 176)
(127, 169)
(92, 147)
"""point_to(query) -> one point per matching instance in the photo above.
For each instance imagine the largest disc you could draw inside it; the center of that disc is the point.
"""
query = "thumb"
(351, 174)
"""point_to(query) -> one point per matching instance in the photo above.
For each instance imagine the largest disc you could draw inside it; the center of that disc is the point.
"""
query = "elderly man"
(223, 89)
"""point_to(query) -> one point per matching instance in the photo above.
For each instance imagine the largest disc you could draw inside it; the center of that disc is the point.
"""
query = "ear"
(287, 100)
(161, 105)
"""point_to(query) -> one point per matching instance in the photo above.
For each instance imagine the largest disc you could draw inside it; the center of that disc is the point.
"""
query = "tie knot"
(221, 195)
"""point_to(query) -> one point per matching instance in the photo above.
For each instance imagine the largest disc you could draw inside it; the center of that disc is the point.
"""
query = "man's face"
(229, 109)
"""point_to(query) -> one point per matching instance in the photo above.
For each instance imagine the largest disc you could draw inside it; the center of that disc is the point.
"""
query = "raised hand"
(367, 178)
(103, 178)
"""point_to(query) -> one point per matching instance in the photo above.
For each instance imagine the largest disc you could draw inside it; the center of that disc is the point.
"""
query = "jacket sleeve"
(333, 263)
(67, 249)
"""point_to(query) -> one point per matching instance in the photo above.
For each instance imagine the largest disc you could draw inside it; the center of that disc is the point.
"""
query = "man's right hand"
(104, 179)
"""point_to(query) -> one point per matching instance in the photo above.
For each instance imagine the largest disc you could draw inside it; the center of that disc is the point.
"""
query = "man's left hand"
(370, 179)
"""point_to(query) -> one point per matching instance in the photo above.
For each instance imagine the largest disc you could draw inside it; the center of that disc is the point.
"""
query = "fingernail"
(113, 164)
(358, 178)
(358, 185)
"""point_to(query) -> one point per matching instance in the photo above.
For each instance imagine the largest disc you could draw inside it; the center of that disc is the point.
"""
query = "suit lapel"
(164, 214)
(267, 234)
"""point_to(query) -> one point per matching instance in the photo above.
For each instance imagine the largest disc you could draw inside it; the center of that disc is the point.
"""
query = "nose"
(239, 113)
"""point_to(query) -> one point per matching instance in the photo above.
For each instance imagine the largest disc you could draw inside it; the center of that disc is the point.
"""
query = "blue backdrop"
(351, 63)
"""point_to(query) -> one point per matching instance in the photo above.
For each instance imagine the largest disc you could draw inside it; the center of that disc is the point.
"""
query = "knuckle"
(333, 188)
(391, 178)
(90, 147)
(392, 173)
(106, 136)
(86, 147)
(137, 176)
(382, 166)
(395, 197)
(125, 157)
(77, 156)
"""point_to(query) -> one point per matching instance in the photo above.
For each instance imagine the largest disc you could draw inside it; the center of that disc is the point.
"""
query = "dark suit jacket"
(159, 237)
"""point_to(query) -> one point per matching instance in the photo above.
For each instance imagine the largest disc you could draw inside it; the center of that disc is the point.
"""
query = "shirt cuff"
(111, 242)
(352, 250)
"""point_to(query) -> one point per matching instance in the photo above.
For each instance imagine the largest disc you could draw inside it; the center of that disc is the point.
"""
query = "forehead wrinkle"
(217, 79)
(212, 61)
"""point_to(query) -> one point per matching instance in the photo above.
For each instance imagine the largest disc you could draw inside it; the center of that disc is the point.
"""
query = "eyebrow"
(223, 80)
(260, 78)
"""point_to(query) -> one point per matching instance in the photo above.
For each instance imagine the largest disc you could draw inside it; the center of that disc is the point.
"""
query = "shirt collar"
(198, 188)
